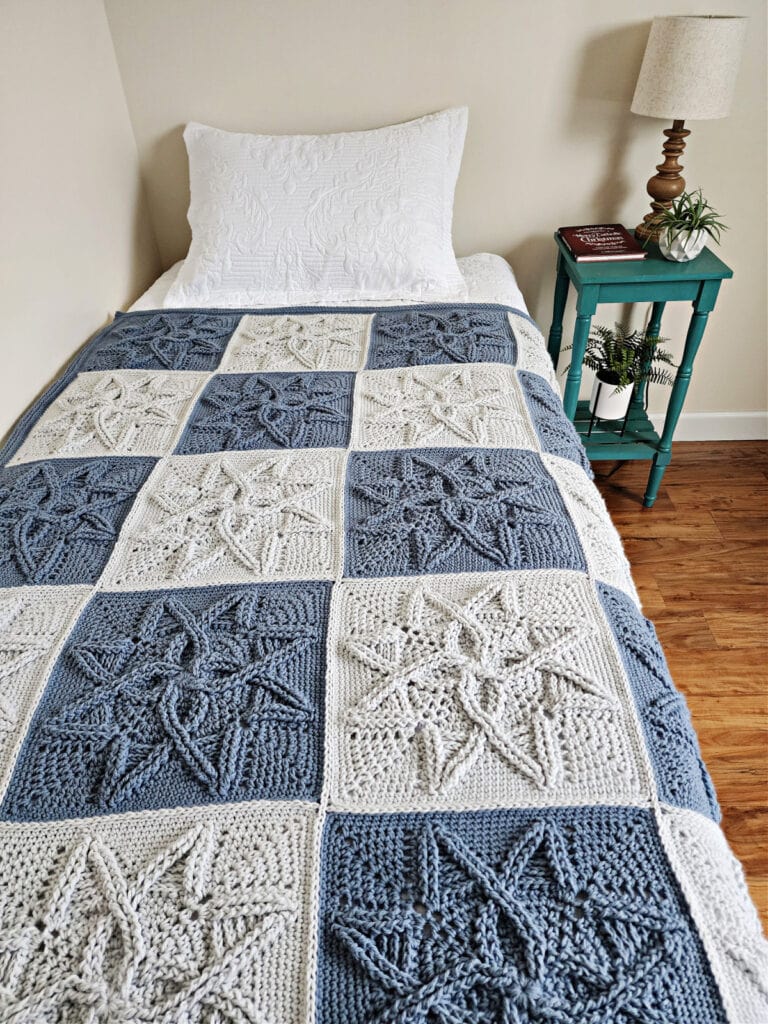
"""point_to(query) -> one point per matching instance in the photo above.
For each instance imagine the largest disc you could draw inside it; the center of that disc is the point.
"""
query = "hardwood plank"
(700, 563)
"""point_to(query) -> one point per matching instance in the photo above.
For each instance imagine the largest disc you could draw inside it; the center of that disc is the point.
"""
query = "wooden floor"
(700, 562)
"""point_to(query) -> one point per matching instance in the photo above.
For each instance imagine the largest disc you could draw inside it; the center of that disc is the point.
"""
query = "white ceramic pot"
(609, 404)
(683, 247)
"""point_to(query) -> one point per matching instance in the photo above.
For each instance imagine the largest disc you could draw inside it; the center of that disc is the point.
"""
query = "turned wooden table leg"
(663, 455)
(561, 295)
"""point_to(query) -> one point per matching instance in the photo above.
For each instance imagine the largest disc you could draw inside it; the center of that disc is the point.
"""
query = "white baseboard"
(717, 426)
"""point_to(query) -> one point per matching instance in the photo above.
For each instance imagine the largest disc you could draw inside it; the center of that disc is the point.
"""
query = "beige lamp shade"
(689, 68)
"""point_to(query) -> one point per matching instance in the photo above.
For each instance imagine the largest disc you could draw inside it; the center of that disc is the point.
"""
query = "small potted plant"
(686, 225)
(622, 358)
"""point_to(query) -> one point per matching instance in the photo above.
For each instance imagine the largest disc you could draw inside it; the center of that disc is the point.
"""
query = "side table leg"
(663, 455)
(654, 326)
(561, 294)
(573, 380)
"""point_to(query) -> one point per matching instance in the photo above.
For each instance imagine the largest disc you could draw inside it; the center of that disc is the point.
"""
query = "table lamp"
(688, 73)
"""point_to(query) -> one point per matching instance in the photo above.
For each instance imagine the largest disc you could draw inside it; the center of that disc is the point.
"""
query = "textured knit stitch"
(463, 334)
(681, 775)
(719, 898)
(126, 412)
(32, 622)
(162, 341)
(493, 689)
(157, 918)
(557, 434)
(565, 916)
(440, 510)
(271, 410)
(531, 349)
(59, 519)
(457, 751)
(233, 518)
(317, 341)
(599, 537)
(180, 697)
(477, 405)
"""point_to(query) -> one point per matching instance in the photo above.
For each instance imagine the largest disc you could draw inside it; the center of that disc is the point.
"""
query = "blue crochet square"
(59, 519)
(489, 917)
(440, 510)
(180, 697)
(681, 776)
(557, 435)
(454, 334)
(271, 410)
(166, 340)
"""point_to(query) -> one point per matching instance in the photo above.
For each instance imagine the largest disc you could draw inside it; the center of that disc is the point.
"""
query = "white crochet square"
(477, 690)
(599, 537)
(474, 405)
(532, 350)
(114, 412)
(714, 885)
(161, 916)
(34, 622)
(235, 517)
(314, 341)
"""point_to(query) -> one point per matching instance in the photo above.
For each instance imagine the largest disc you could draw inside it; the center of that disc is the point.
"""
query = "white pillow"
(287, 219)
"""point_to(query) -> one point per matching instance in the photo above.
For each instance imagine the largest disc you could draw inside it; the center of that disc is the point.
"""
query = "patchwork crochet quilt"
(326, 696)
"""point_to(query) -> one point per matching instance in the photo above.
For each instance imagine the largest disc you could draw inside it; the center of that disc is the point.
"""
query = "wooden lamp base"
(667, 185)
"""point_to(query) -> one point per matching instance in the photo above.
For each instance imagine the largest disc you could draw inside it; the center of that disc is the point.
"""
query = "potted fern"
(686, 225)
(622, 358)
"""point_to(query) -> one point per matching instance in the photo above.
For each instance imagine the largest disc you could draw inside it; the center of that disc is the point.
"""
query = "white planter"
(610, 404)
(684, 247)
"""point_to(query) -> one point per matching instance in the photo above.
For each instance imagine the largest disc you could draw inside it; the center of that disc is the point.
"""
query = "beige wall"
(551, 139)
(77, 241)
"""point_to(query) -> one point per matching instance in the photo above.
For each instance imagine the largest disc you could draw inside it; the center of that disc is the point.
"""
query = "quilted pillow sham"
(310, 218)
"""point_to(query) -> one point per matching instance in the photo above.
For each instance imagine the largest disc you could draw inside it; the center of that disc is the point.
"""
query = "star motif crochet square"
(478, 690)
(233, 518)
(681, 776)
(121, 412)
(299, 342)
(165, 916)
(165, 340)
(556, 433)
(180, 697)
(475, 406)
(271, 410)
(568, 914)
(417, 337)
(532, 349)
(714, 885)
(33, 623)
(59, 520)
(448, 510)
(599, 537)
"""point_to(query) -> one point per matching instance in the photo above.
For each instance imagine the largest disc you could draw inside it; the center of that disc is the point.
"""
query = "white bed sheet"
(489, 278)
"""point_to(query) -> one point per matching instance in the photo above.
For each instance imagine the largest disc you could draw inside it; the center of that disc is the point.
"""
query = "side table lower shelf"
(639, 441)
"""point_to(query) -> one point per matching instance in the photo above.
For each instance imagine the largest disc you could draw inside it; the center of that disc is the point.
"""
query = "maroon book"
(597, 242)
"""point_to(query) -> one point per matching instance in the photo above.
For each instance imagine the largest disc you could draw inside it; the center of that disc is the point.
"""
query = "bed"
(326, 694)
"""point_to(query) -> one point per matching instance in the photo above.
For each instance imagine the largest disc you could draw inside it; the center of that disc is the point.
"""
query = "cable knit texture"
(271, 410)
(467, 334)
(441, 510)
(563, 915)
(326, 696)
(59, 520)
(180, 697)
(129, 412)
(162, 341)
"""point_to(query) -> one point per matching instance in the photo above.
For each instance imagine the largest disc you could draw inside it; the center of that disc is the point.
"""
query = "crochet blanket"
(325, 695)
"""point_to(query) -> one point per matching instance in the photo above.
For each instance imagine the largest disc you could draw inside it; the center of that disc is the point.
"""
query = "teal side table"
(655, 280)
